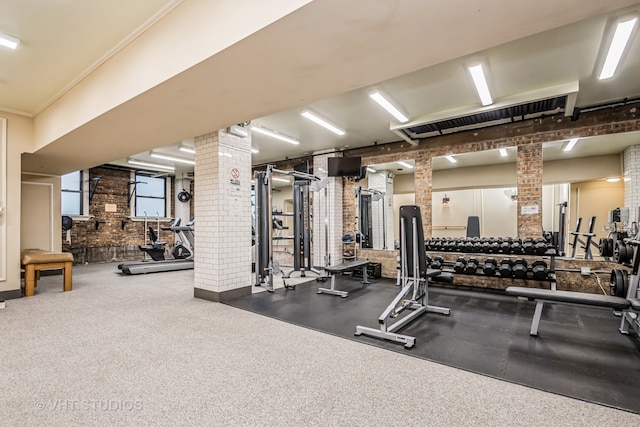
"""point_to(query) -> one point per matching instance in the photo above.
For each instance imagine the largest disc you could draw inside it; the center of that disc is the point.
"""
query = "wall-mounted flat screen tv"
(344, 166)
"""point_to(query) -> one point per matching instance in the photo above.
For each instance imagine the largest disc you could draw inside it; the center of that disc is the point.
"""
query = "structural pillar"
(223, 216)
(631, 162)
(529, 179)
(327, 216)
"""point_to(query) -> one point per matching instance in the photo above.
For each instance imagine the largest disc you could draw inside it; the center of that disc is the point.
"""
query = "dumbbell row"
(503, 245)
(517, 268)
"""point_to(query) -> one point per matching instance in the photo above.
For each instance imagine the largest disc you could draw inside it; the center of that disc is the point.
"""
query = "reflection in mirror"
(480, 184)
(591, 170)
(386, 187)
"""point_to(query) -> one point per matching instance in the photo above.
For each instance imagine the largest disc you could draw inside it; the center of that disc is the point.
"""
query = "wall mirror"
(379, 196)
(479, 184)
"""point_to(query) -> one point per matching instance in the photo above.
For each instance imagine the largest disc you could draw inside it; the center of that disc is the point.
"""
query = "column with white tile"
(327, 215)
(223, 216)
(631, 164)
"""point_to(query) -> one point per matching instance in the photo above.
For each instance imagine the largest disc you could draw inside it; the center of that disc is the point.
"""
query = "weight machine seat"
(635, 303)
(569, 297)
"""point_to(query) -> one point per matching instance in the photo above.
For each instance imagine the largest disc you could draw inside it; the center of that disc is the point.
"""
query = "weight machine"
(266, 267)
(631, 317)
(414, 279)
(365, 199)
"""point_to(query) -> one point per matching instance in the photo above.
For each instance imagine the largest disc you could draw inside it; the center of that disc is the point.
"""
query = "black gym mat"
(579, 352)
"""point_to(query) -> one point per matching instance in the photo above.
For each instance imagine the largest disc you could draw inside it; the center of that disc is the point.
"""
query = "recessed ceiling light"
(150, 165)
(280, 179)
(479, 80)
(616, 48)
(451, 159)
(572, 143)
(405, 164)
(503, 152)
(9, 41)
(189, 150)
(372, 170)
(614, 179)
(322, 122)
(254, 150)
(172, 158)
(387, 105)
(274, 134)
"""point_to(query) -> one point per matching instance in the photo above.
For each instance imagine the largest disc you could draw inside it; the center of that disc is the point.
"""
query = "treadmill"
(186, 234)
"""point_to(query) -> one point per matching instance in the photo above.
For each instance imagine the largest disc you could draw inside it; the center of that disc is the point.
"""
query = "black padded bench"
(540, 296)
(635, 303)
(344, 268)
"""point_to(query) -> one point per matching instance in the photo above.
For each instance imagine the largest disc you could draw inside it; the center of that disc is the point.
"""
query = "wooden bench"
(36, 260)
(540, 296)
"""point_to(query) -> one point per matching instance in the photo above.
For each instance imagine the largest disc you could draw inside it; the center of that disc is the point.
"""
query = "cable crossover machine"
(266, 267)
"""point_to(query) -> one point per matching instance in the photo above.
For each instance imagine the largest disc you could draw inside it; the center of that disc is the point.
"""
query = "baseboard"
(12, 294)
(221, 296)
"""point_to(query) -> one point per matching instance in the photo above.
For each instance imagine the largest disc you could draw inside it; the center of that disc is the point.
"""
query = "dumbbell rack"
(551, 275)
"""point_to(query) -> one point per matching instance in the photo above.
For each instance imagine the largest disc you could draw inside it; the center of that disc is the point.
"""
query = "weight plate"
(609, 247)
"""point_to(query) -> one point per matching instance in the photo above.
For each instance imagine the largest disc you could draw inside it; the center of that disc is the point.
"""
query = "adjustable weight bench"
(344, 268)
(540, 296)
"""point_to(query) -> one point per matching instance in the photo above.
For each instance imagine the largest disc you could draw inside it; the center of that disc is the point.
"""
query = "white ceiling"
(63, 40)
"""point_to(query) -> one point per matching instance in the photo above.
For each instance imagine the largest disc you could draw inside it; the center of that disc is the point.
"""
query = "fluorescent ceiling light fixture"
(172, 158)
(254, 150)
(238, 130)
(616, 48)
(189, 150)
(322, 122)
(384, 103)
(274, 134)
(280, 179)
(150, 165)
(9, 41)
(372, 170)
(405, 164)
(477, 74)
(451, 159)
(616, 179)
(572, 143)
(503, 152)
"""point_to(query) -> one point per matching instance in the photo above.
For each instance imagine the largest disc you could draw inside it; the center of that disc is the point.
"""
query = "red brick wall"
(110, 241)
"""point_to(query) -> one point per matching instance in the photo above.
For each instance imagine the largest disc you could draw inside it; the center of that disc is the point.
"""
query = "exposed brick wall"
(110, 241)
(529, 177)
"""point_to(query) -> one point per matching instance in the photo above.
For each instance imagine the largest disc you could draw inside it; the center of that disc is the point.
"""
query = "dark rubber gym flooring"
(578, 352)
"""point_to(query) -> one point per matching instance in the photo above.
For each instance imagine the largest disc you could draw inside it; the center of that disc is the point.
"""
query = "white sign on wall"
(530, 210)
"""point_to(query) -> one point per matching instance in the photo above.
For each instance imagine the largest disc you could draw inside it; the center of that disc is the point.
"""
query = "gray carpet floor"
(140, 350)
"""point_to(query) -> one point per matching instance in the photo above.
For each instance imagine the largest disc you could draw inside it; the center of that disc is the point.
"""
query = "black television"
(344, 166)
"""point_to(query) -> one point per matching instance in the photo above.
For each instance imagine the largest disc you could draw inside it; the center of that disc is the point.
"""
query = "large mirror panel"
(478, 185)
(387, 186)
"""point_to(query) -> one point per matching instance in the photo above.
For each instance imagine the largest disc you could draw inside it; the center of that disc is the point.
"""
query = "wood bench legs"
(32, 274)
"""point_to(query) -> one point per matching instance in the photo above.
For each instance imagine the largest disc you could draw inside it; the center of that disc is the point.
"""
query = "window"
(71, 202)
(151, 194)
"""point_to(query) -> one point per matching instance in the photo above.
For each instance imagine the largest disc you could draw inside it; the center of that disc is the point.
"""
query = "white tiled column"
(182, 209)
(327, 213)
(382, 181)
(223, 216)
(631, 164)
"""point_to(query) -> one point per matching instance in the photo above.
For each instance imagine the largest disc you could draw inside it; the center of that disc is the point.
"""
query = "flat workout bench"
(36, 260)
(344, 268)
(564, 297)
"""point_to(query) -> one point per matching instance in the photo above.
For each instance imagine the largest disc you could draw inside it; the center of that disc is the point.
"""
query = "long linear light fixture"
(387, 105)
(451, 159)
(322, 122)
(9, 41)
(187, 150)
(616, 48)
(172, 158)
(479, 80)
(405, 164)
(150, 165)
(503, 152)
(281, 179)
(572, 143)
(274, 134)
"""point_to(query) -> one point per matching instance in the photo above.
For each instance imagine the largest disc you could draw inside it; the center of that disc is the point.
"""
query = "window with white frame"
(71, 199)
(150, 196)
